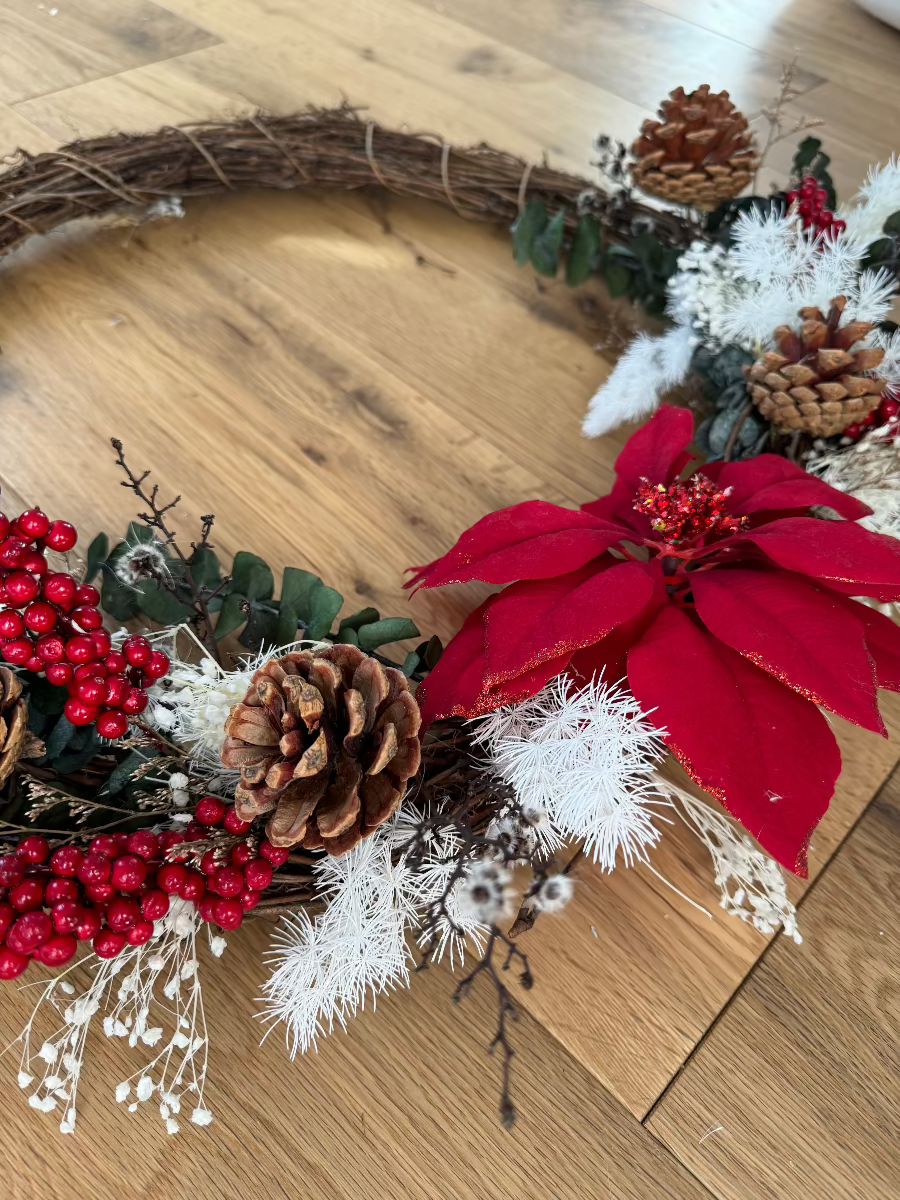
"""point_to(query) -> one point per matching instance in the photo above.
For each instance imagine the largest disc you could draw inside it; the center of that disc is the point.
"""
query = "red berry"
(106, 844)
(22, 588)
(115, 691)
(155, 905)
(249, 899)
(169, 838)
(66, 916)
(4, 525)
(11, 624)
(116, 662)
(210, 810)
(211, 861)
(35, 849)
(52, 649)
(11, 551)
(33, 561)
(144, 844)
(227, 881)
(140, 932)
(277, 855)
(11, 964)
(90, 690)
(241, 854)
(60, 588)
(193, 888)
(12, 870)
(90, 925)
(129, 873)
(86, 594)
(64, 861)
(94, 868)
(7, 916)
(101, 641)
(234, 824)
(122, 914)
(61, 536)
(27, 933)
(34, 523)
(17, 650)
(56, 951)
(59, 674)
(207, 907)
(889, 408)
(137, 651)
(60, 889)
(80, 649)
(80, 713)
(87, 618)
(258, 874)
(171, 877)
(194, 831)
(135, 701)
(34, 664)
(40, 617)
(112, 724)
(27, 895)
(99, 893)
(158, 666)
(109, 944)
(228, 913)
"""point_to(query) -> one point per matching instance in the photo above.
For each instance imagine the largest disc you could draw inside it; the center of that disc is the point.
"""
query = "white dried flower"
(143, 561)
(554, 893)
(485, 893)
(877, 199)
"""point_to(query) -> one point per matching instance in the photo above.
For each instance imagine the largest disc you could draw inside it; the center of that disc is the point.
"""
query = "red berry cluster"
(684, 513)
(887, 413)
(810, 200)
(111, 893)
(50, 623)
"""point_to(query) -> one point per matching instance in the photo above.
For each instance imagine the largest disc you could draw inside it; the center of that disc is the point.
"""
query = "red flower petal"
(524, 686)
(767, 753)
(791, 628)
(770, 483)
(534, 540)
(455, 687)
(883, 641)
(657, 451)
(843, 555)
(535, 621)
(618, 507)
(608, 656)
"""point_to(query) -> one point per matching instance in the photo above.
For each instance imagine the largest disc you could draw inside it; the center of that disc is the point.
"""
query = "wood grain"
(800, 1079)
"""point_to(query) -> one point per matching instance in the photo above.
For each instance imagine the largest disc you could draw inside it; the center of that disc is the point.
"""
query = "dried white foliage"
(751, 884)
(586, 756)
(869, 470)
(156, 981)
(325, 968)
(877, 199)
(647, 369)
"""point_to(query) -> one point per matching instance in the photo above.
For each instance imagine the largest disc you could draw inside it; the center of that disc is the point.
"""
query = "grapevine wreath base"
(185, 746)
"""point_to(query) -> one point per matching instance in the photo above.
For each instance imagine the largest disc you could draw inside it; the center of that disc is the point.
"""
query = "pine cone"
(13, 722)
(325, 740)
(700, 152)
(815, 380)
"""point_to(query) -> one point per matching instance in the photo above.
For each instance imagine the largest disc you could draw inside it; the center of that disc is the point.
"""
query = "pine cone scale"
(13, 722)
(336, 741)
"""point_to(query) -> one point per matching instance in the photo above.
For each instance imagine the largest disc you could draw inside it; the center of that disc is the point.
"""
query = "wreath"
(182, 749)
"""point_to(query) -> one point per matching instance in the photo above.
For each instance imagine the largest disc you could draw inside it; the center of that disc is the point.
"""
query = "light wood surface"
(796, 1091)
(348, 384)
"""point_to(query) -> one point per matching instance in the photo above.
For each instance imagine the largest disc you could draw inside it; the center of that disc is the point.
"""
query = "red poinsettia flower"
(727, 606)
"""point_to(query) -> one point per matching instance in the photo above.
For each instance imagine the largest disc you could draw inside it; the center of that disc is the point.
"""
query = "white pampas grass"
(877, 199)
(586, 755)
(644, 372)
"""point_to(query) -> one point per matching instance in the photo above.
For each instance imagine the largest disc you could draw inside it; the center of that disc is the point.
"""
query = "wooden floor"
(348, 385)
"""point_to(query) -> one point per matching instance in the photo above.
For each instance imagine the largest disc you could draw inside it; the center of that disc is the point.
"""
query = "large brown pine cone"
(13, 722)
(325, 740)
(816, 381)
(700, 152)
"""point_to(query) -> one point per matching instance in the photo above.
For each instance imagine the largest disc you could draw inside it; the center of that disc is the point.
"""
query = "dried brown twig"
(312, 151)
(777, 118)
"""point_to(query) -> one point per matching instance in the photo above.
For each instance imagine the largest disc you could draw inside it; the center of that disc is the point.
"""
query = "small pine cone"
(700, 152)
(13, 722)
(816, 381)
(325, 740)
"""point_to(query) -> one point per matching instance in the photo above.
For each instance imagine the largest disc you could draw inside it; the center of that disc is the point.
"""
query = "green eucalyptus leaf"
(365, 616)
(391, 629)
(346, 637)
(261, 629)
(529, 223)
(546, 248)
(205, 568)
(805, 155)
(410, 663)
(326, 604)
(117, 598)
(160, 605)
(298, 588)
(617, 278)
(584, 252)
(432, 652)
(288, 623)
(243, 570)
(892, 224)
(98, 551)
(73, 760)
(124, 771)
(62, 734)
(232, 616)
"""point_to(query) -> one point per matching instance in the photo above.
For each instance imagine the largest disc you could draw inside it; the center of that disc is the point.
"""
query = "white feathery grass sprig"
(586, 755)
(648, 368)
(877, 199)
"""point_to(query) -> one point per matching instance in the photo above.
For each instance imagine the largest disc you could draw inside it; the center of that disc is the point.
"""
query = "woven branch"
(318, 150)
